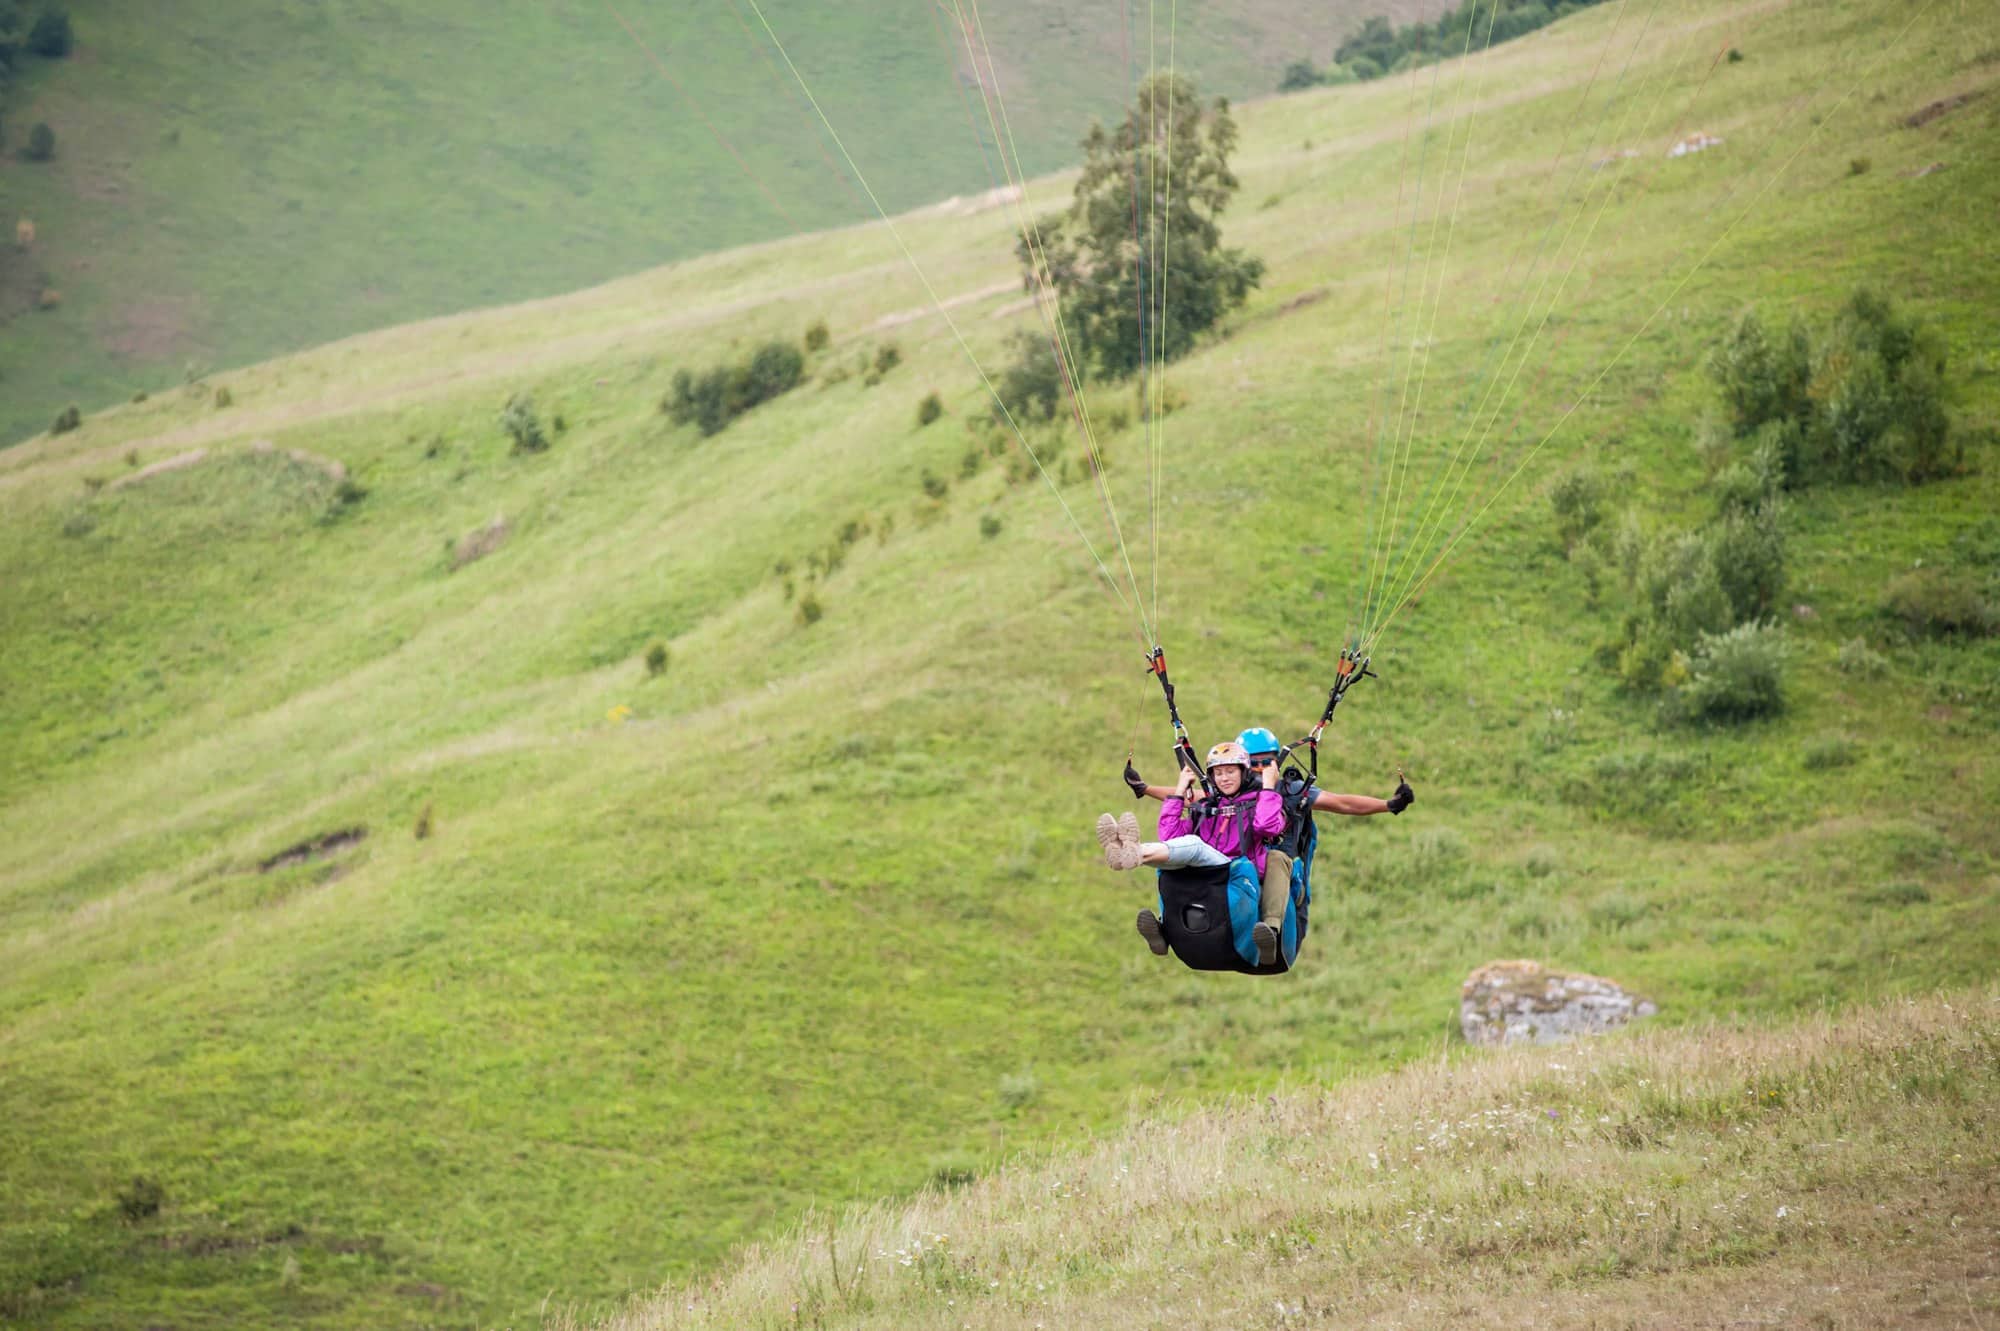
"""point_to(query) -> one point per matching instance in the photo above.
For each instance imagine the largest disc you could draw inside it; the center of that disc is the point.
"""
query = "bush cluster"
(718, 396)
(1940, 603)
(1862, 400)
(522, 425)
(1699, 604)
(1378, 47)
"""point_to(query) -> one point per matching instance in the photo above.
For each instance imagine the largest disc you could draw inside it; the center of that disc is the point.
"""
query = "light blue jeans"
(1191, 852)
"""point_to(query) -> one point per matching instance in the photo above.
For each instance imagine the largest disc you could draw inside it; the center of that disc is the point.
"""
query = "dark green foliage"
(69, 418)
(1031, 387)
(656, 658)
(989, 525)
(929, 409)
(1940, 603)
(1735, 56)
(224, 398)
(817, 336)
(719, 395)
(41, 143)
(518, 419)
(141, 1199)
(935, 485)
(1863, 401)
(1300, 74)
(809, 610)
(887, 357)
(51, 36)
(1377, 48)
(1106, 279)
(425, 824)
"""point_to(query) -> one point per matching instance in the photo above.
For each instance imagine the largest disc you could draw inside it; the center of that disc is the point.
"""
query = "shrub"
(970, 462)
(69, 418)
(518, 419)
(989, 525)
(1823, 752)
(1735, 56)
(929, 409)
(41, 143)
(656, 658)
(934, 485)
(887, 357)
(817, 337)
(425, 826)
(141, 1199)
(51, 37)
(1859, 166)
(1735, 676)
(1541, 862)
(49, 299)
(809, 610)
(224, 398)
(774, 368)
(1747, 551)
(1578, 502)
(1856, 657)
(1940, 603)
(720, 394)
(1116, 421)
(1031, 386)
(1864, 402)
(1300, 74)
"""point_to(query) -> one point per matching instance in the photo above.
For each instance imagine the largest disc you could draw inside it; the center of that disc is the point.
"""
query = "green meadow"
(236, 181)
(628, 970)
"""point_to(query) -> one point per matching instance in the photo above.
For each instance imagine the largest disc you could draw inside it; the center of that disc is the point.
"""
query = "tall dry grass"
(1841, 1171)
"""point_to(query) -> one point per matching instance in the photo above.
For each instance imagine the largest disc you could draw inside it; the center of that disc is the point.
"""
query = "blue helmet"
(1257, 740)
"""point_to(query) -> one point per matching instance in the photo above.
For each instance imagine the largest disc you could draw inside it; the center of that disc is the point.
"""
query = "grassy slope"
(237, 181)
(808, 926)
(1832, 1173)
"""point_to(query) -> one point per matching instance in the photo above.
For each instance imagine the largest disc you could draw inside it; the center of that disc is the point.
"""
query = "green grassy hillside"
(236, 181)
(815, 915)
(1830, 1173)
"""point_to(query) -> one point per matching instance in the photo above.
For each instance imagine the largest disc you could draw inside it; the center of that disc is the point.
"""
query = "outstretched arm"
(1363, 805)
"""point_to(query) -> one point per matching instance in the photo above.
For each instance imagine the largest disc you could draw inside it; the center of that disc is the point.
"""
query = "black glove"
(1403, 798)
(1134, 780)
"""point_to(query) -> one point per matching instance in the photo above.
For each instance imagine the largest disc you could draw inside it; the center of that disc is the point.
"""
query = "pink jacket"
(1241, 825)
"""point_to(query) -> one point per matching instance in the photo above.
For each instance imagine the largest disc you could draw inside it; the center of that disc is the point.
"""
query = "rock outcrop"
(1524, 1002)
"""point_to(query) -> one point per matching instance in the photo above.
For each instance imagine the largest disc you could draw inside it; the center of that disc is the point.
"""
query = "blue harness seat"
(1207, 913)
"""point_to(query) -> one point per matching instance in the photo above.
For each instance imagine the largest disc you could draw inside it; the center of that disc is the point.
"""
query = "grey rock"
(1524, 1002)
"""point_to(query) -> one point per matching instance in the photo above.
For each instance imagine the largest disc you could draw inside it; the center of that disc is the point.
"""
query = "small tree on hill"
(41, 143)
(51, 36)
(1163, 173)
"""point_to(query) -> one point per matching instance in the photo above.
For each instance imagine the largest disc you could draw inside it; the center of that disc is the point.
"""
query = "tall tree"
(1140, 246)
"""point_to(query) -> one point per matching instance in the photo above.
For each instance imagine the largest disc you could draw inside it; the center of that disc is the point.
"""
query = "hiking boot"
(1149, 929)
(1120, 851)
(1128, 827)
(1266, 938)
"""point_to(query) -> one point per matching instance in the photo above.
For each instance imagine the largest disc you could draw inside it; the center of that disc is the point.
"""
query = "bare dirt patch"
(1941, 107)
(314, 848)
(481, 542)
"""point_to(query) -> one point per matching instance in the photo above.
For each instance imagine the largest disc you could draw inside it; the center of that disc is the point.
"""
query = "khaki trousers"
(1277, 888)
